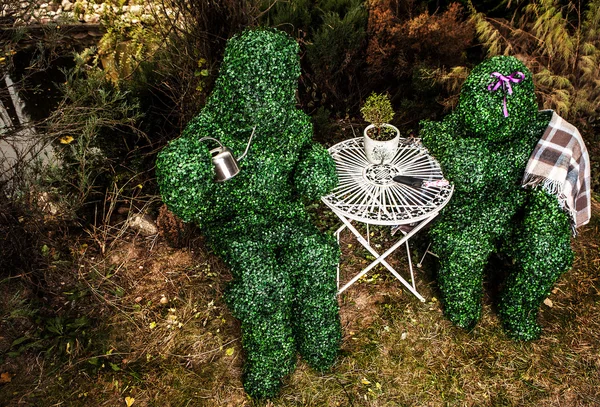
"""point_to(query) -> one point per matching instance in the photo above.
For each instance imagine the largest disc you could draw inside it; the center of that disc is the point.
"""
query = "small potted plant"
(381, 138)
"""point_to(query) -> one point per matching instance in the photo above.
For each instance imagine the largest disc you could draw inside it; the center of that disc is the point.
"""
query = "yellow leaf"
(5, 377)
(152, 325)
(365, 381)
(66, 140)
(229, 351)
(129, 401)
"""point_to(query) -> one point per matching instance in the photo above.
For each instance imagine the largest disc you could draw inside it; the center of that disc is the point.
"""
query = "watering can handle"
(222, 147)
(247, 146)
(211, 138)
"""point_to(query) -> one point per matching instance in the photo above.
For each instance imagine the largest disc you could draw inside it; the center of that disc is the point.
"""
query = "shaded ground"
(145, 324)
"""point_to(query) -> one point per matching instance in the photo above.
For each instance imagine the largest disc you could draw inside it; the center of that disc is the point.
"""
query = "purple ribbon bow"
(505, 82)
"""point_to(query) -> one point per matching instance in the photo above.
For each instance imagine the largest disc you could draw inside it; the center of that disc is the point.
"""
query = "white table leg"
(381, 258)
(337, 236)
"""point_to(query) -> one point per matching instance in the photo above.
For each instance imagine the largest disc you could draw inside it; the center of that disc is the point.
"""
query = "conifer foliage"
(333, 34)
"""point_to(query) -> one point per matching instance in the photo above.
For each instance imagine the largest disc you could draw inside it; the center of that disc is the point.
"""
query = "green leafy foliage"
(126, 42)
(484, 154)
(336, 51)
(93, 129)
(284, 289)
(377, 109)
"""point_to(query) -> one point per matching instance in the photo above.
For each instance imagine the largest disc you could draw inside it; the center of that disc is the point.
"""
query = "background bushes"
(127, 97)
(332, 34)
(410, 50)
(352, 48)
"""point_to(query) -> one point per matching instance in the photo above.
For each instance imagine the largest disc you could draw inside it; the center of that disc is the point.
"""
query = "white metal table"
(368, 194)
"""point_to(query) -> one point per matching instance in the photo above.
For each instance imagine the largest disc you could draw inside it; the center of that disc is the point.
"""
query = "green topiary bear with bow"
(487, 148)
(283, 289)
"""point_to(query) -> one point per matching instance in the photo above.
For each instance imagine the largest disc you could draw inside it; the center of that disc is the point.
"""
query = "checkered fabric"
(561, 165)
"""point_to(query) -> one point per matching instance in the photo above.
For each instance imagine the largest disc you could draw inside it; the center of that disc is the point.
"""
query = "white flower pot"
(381, 152)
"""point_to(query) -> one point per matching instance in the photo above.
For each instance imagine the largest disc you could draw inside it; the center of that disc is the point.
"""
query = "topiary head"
(497, 101)
(259, 73)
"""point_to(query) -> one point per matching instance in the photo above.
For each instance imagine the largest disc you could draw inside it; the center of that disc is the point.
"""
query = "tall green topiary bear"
(283, 289)
(484, 148)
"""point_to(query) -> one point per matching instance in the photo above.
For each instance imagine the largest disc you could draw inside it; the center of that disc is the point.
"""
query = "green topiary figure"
(283, 289)
(484, 148)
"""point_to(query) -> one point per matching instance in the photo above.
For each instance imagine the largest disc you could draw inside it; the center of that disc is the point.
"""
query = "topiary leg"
(311, 257)
(542, 252)
(270, 355)
(260, 295)
(463, 255)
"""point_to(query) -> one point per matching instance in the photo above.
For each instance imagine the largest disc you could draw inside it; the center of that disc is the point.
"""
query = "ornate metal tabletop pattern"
(367, 193)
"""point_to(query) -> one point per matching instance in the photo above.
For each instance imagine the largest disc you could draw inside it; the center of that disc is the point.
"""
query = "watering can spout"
(225, 164)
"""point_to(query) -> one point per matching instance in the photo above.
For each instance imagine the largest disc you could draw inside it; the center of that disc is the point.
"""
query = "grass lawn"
(145, 325)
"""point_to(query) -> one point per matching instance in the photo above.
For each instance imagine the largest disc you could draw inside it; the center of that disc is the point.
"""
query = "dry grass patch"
(160, 333)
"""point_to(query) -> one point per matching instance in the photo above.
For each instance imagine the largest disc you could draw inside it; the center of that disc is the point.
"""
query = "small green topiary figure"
(484, 148)
(283, 289)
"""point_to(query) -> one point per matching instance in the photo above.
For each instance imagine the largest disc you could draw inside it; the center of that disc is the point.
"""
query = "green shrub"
(94, 128)
(377, 109)
(333, 34)
(336, 54)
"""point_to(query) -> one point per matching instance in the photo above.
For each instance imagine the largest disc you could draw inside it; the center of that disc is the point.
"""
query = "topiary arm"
(464, 161)
(474, 164)
(185, 175)
(315, 173)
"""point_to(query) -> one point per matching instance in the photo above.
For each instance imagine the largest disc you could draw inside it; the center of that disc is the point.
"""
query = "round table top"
(367, 193)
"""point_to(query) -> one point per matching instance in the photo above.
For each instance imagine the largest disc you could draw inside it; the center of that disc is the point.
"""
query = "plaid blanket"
(560, 164)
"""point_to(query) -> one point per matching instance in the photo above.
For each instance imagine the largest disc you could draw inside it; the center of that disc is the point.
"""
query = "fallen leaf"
(548, 302)
(152, 325)
(5, 377)
(365, 381)
(129, 401)
(229, 351)
(66, 140)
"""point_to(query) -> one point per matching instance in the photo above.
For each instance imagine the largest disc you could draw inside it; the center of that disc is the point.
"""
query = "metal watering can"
(226, 165)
